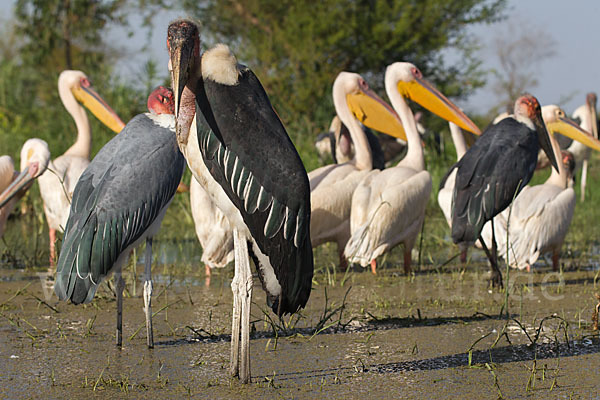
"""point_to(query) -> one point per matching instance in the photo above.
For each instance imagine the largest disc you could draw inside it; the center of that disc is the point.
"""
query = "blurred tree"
(520, 48)
(297, 47)
(66, 34)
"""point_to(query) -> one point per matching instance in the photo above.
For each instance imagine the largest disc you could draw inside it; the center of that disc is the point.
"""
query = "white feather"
(220, 65)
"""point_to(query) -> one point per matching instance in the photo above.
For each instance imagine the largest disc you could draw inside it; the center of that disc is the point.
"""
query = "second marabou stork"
(541, 214)
(118, 203)
(493, 172)
(388, 206)
(239, 151)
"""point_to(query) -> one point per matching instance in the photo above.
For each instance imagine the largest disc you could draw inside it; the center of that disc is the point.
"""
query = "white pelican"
(34, 161)
(388, 207)
(332, 186)
(589, 121)
(447, 184)
(239, 151)
(59, 180)
(541, 214)
(212, 228)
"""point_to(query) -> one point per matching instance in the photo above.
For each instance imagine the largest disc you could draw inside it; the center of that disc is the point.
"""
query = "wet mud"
(439, 333)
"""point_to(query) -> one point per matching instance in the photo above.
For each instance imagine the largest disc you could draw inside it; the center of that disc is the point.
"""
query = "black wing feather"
(490, 175)
(119, 195)
(237, 124)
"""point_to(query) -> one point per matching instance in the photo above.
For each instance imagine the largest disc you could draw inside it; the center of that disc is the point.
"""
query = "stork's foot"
(496, 280)
(555, 261)
(463, 256)
(407, 261)
(343, 263)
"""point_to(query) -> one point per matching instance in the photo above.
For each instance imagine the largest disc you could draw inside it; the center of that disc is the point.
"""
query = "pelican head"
(80, 86)
(365, 105)
(35, 157)
(161, 101)
(409, 82)
(183, 44)
(528, 111)
(557, 122)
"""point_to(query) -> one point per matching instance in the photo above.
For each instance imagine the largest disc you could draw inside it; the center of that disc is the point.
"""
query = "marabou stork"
(541, 214)
(58, 182)
(388, 206)
(239, 151)
(332, 186)
(493, 172)
(119, 202)
(34, 161)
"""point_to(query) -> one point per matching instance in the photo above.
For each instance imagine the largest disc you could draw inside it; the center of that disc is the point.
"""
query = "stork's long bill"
(93, 102)
(21, 182)
(183, 46)
(424, 93)
(375, 113)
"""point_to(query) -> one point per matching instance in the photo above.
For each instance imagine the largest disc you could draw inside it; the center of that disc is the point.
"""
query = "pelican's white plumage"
(212, 228)
(445, 192)
(332, 186)
(34, 161)
(388, 207)
(59, 180)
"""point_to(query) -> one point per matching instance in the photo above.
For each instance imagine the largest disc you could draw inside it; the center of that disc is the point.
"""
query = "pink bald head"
(161, 101)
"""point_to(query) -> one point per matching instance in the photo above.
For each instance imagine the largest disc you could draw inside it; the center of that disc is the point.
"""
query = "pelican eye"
(85, 82)
(416, 73)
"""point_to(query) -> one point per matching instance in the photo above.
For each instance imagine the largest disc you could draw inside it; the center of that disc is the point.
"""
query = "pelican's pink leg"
(52, 235)
(374, 266)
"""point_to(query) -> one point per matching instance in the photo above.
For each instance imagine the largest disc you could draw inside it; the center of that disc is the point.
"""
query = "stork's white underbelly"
(191, 152)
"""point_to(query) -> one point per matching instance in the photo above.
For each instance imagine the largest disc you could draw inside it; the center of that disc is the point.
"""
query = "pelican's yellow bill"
(423, 93)
(569, 128)
(93, 102)
(375, 114)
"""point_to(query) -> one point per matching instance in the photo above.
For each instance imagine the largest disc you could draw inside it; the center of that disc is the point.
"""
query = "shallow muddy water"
(435, 334)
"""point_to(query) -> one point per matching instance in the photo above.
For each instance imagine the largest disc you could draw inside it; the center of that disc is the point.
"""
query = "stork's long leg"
(236, 314)
(496, 277)
(246, 300)
(148, 292)
(242, 297)
(120, 287)
(584, 169)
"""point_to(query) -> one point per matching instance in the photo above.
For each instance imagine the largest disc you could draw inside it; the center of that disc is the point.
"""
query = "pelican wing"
(539, 221)
(118, 198)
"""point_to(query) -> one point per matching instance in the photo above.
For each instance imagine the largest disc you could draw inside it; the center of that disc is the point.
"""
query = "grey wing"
(115, 201)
